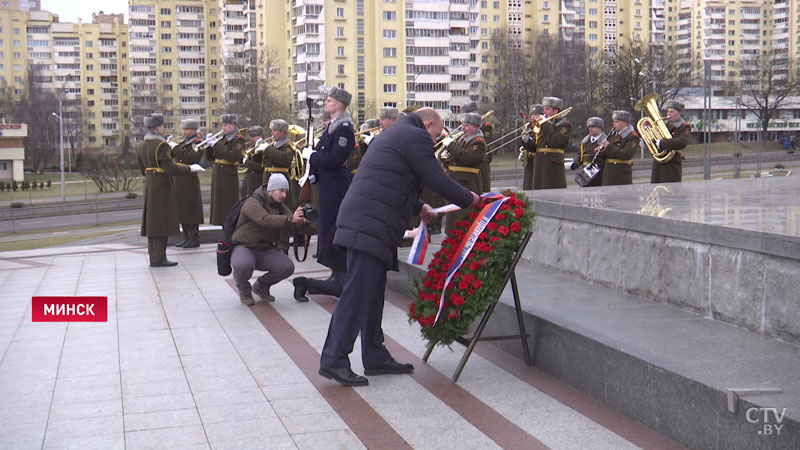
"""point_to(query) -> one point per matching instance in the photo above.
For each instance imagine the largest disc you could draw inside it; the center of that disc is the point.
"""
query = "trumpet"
(361, 135)
(441, 150)
(259, 146)
(210, 141)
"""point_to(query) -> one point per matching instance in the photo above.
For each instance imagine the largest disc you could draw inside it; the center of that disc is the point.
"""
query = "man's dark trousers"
(360, 308)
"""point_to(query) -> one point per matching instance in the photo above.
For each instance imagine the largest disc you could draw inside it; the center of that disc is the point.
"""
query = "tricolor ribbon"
(465, 247)
(420, 245)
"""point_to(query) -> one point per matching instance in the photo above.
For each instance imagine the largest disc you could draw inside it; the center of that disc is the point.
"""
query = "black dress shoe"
(300, 288)
(389, 367)
(345, 377)
(181, 244)
(191, 244)
(164, 263)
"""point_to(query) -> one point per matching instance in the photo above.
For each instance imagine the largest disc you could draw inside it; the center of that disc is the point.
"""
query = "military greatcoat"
(672, 170)
(548, 166)
(187, 188)
(226, 155)
(159, 215)
(278, 158)
(618, 156)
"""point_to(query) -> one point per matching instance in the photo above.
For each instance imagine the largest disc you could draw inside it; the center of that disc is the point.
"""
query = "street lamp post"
(60, 116)
(707, 124)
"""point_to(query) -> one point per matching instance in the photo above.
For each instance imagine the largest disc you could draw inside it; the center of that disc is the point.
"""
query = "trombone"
(538, 127)
(259, 146)
(441, 151)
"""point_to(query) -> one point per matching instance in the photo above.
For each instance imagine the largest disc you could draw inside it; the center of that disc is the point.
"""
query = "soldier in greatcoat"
(622, 144)
(187, 188)
(590, 145)
(253, 175)
(361, 148)
(466, 157)
(159, 215)
(551, 140)
(528, 149)
(278, 158)
(672, 170)
(488, 130)
(226, 155)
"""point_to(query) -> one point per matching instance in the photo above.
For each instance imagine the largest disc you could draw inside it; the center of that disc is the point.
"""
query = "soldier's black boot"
(185, 239)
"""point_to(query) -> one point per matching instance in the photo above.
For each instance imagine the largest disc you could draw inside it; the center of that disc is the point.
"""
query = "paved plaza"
(181, 363)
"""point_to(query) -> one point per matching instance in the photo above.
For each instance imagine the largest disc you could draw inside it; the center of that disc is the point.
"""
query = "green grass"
(72, 228)
(31, 244)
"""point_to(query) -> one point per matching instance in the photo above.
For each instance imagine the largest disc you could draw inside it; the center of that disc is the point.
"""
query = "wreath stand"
(470, 342)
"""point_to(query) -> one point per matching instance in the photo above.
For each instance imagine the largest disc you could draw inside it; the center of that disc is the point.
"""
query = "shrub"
(41, 185)
(14, 186)
(2, 186)
(49, 184)
(25, 185)
(17, 205)
(780, 166)
(131, 195)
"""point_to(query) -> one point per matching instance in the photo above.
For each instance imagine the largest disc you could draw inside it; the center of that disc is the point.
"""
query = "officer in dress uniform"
(672, 170)
(466, 156)
(528, 149)
(159, 216)
(591, 145)
(227, 155)
(278, 158)
(622, 144)
(187, 188)
(329, 165)
(552, 139)
(253, 173)
(361, 148)
(487, 129)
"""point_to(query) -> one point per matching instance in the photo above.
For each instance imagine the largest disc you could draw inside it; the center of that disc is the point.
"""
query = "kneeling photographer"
(262, 234)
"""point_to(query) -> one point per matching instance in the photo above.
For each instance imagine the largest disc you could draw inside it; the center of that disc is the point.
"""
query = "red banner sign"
(69, 309)
(10, 126)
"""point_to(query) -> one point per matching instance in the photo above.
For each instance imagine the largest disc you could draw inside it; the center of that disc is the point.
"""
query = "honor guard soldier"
(672, 170)
(187, 188)
(252, 165)
(159, 216)
(487, 129)
(278, 158)
(328, 163)
(622, 144)
(361, 148)
(227, 155)
(528, 149)
(590, 145)
(466, 157)
(552, 139)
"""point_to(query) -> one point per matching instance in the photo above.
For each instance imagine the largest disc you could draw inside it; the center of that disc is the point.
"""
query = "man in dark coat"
(253, 174)
(159, 216)
(672, 170)
(226, 155)
(328, 163)
(618, 150)
(528, 149)
(551, 140)
(371, 222)
(187, 188)
(590, 145)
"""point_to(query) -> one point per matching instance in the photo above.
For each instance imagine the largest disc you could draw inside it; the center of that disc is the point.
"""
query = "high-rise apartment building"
(176, 55)
(83, 63)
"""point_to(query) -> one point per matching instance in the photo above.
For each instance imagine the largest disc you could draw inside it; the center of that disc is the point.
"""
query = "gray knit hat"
(624, 116)
(153, 120)
(595, 122)
(473, 118)
(279, 125)
(190, 124)
(553, 102)
(340, 95)
(676, 105)
(387, 112)
(229, 118)
(469, 107)
(277, 181)
(255, 130)
(535, 109)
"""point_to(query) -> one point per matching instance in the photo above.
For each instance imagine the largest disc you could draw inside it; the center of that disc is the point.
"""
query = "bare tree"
(766, 84)
(257, 91)
(642, 69)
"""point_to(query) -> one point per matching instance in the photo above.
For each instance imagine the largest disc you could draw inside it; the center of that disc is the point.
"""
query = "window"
(389, 34)
(390, 70)
(339, 32)
(165, 11)
(166, 36)
(389, 52)
(389, 15)
(340, 51)
(389, 88)
(339, 13)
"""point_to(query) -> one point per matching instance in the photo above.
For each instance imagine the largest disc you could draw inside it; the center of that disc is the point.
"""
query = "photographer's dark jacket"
(261, 228)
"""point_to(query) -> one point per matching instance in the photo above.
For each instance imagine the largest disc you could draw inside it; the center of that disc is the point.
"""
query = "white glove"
(368, 139)
(526, 137)
(307, 152)
(446, 141)
(196, 168)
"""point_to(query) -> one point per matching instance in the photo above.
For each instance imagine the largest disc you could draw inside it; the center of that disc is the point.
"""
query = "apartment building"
(176, 62)
(84, 63)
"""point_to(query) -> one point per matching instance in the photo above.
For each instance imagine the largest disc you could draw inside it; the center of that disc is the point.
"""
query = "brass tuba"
(652, 127)
(297, 168)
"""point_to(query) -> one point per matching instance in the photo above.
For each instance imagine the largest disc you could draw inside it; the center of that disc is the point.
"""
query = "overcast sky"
(72, 10)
